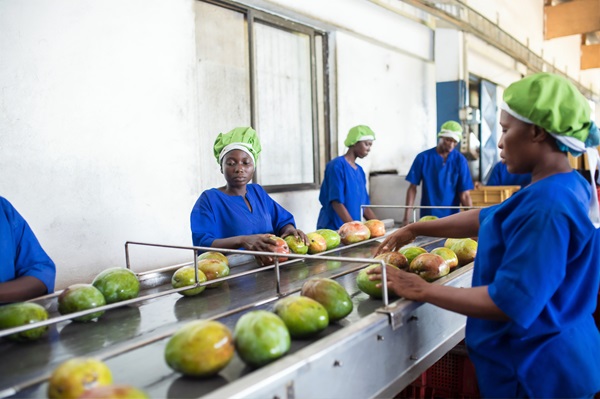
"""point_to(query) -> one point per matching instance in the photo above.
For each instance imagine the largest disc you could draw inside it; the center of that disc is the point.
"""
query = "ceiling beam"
(590, 56)
(571, 18)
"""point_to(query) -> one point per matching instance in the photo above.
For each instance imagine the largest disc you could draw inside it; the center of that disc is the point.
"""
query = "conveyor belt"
(372, 351)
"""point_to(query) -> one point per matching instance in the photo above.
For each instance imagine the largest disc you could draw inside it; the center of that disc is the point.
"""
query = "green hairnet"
(359, 133)
(551, 102)
(244, 137)
(451, 129)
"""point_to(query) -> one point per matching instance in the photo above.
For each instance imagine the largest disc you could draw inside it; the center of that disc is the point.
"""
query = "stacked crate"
(491, 195)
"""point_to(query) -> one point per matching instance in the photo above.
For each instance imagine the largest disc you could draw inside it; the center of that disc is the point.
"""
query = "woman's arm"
(472, 302)
(21, 289)
(342, 212)
(459, 225)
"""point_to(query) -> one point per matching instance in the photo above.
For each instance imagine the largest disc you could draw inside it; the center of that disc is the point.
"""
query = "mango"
(376, 227)
(201, 348)
(73, 377)
(115, 392)
(332, 238)
(117, 284)
(395, 259)
(412, 252)
(448, 255)
(429, 266)
(303, 316)
(353, 232)
(369, 286)
(20, 314)
(316, 243)
(214, 255)
(296, 245)
(261, 337)
(427, 218)
(329, 293)
(213, 269)
(78, 297)
(466, 250)
(185, 276)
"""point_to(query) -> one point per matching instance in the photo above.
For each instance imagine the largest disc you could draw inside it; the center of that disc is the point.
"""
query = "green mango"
(332, 238)
(78, 297)
(302, 315)
(296, 245)
(117, 284)
(214, 255)
(465, 250)
(117, 391)
(201, 348)
(261, 337)
(185, 276)
(20, 314)
(329, 293)
(412, 252)
(448, 255)
(75, 376)
(369, 286)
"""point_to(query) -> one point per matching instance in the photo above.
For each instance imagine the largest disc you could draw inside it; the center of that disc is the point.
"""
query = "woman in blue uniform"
(344, 187)
(530, 330)
(239, 215)
(500, 176)
(26, 271)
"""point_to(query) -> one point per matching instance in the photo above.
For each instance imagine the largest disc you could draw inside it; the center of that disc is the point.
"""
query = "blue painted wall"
(450, 97)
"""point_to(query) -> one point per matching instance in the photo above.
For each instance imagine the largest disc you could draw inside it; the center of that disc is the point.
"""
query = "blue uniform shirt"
(538, 255)
(20, 252)
(346, 185)
(501, 177)
(218, 215)
(442, 181)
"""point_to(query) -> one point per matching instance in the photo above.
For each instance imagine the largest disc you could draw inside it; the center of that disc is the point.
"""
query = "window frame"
(320, 155)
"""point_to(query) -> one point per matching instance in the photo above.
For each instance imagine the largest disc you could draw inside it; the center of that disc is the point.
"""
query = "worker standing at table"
(530, 330)
(444, 173)
(26, 271)
(344, 187)
(239, 215)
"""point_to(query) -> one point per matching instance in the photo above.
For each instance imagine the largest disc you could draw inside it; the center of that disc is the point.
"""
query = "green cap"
(552, 103)
(240, 138)
(451, 129)
(359, 133)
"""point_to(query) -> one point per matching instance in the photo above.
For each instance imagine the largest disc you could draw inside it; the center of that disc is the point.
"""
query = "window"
(267, 72)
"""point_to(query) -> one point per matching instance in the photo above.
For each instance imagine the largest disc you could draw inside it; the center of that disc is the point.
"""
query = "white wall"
(97, 114)
(101, 139)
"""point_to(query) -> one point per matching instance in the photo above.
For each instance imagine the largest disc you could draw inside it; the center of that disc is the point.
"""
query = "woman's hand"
(290, 230)
(404, 284)
(396, 240)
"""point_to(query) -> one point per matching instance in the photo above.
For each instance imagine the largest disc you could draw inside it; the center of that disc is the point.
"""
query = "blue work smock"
(538, 255)
(443, 181)
(346, 185)
(501, 177)
(218, 215)
(20, 251)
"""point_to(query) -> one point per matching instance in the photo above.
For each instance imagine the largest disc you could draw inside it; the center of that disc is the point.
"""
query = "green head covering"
(240, 138)
(554, 104)
(451, 129)
(359, 133)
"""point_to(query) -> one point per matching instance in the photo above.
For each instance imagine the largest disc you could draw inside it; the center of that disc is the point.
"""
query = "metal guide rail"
(131, 335)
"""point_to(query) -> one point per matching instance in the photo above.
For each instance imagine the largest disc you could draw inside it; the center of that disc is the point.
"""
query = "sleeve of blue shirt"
(334, 183)
(528, 276)
(415, 174)
(465, 181)
(203, 222)
(30, 259)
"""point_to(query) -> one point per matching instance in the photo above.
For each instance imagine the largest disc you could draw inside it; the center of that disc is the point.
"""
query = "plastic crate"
(453, 376)
(491, 195)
